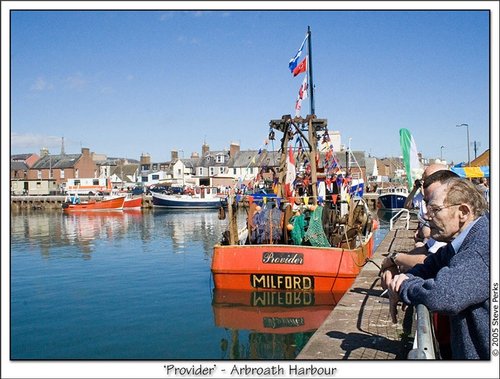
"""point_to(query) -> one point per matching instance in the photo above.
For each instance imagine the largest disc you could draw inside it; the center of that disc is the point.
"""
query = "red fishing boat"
(132, 203)
(317, 233)
(75, 204)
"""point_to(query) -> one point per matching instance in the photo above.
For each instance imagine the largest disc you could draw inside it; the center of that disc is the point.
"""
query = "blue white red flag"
(302, 67)
(294, 61)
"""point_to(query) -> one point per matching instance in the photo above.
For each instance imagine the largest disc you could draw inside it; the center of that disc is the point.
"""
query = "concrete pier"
(360, 325)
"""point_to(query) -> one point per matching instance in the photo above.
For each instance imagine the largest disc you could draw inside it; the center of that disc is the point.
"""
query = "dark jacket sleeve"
(457, 284)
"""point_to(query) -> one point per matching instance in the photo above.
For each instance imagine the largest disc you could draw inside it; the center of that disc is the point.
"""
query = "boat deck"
(360, 326)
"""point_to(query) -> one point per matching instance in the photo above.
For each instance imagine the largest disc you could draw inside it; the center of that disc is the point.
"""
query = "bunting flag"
(301, 96)
(293, 62)
(290, 173)
(303, 89)
(302, 67)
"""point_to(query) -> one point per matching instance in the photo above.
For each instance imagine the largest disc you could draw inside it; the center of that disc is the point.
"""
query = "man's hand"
(394, 287)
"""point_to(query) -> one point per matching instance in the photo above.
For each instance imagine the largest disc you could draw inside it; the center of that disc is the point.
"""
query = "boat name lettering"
(283, 258)
(289, 299)
(283, 322)
(282, 282)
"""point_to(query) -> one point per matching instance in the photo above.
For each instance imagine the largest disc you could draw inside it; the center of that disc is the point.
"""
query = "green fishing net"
(315, 233)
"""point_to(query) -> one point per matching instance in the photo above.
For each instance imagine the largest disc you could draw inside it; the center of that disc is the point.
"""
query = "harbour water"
(137, 285)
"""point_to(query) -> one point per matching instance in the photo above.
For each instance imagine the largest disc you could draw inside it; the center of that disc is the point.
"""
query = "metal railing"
(423, 345)
(404, 211)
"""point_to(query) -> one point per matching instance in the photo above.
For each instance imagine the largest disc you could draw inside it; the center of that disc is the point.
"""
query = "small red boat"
(74, 204)
(132, 203)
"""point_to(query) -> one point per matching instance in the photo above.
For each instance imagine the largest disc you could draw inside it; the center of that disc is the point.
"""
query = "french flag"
(294, 61)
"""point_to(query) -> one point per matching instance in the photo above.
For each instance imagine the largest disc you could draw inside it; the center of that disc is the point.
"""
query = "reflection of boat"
(276, 312)
(392, 197)
(74, 204)
(206, 198)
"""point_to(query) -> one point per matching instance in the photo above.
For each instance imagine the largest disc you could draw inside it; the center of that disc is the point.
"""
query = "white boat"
(202, 198)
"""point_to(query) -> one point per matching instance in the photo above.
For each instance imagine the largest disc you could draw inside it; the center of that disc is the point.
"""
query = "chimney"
(174, 155)
(195, 155)
(44, 152)
(145, 159)
(234, 149)
(85, 151)
(205, 149)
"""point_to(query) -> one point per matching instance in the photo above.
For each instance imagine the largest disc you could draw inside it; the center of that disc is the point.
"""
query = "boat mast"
(310, 71)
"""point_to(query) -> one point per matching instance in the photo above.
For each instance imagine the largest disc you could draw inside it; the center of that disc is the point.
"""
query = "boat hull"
(391, 201)
(288, 267)
(102, 205)
(186, 202)
(132, 203)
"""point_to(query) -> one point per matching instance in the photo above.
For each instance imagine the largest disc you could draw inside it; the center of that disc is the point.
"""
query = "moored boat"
(75, 204)
(132, 202)
(392, 197)
(317, 233)
(204, 198)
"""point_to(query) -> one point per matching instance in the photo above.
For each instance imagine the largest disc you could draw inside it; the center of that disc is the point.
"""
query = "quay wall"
(55, 202)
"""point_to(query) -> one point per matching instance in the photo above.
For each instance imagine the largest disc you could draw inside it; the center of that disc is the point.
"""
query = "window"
(61, 174)
(234, 171)
(155, 177)
(39, 174)
(212, 171)
(220, 158)
(95, 182)
(200, 171)
(51, 174)
(221, 170)
(77, 182)
(77, 174)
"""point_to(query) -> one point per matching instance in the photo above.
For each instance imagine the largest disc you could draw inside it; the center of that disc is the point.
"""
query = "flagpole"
(310, 71)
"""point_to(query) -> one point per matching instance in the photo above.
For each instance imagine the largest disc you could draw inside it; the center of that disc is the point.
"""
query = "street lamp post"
(442, 147)
(468, 144)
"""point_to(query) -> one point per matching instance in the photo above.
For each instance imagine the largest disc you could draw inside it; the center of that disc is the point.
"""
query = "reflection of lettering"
(283, 322)
(283, 258)
(282, 282)
(288, 299)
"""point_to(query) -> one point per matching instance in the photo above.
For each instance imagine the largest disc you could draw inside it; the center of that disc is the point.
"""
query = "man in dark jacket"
(454, 280)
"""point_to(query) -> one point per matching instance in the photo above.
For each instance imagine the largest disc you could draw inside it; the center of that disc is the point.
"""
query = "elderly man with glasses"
(454, 280)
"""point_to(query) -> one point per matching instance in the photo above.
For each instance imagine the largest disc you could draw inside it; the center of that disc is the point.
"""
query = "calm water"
(137, 285)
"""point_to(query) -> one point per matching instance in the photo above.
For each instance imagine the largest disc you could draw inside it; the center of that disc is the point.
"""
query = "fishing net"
(267, 226)
(315, 233)
(298, 232)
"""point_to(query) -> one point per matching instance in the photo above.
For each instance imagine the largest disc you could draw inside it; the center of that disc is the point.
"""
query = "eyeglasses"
(432, 210)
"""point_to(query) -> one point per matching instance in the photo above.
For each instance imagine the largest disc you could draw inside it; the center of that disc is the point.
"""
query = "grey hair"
(463, 191)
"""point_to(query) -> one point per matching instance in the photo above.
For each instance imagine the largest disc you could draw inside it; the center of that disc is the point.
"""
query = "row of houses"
(47, 173)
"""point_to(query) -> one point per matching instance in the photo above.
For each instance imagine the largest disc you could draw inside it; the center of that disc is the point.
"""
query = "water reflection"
(279, 323)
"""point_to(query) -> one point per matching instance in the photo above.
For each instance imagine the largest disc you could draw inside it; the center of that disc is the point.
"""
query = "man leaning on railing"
(454, 280)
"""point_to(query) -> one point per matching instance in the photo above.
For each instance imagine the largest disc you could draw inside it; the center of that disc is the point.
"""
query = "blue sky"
(123, 83)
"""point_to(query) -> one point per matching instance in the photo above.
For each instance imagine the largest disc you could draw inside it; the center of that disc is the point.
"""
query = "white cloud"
(76, 81)
(41, 84)
(34, 142)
